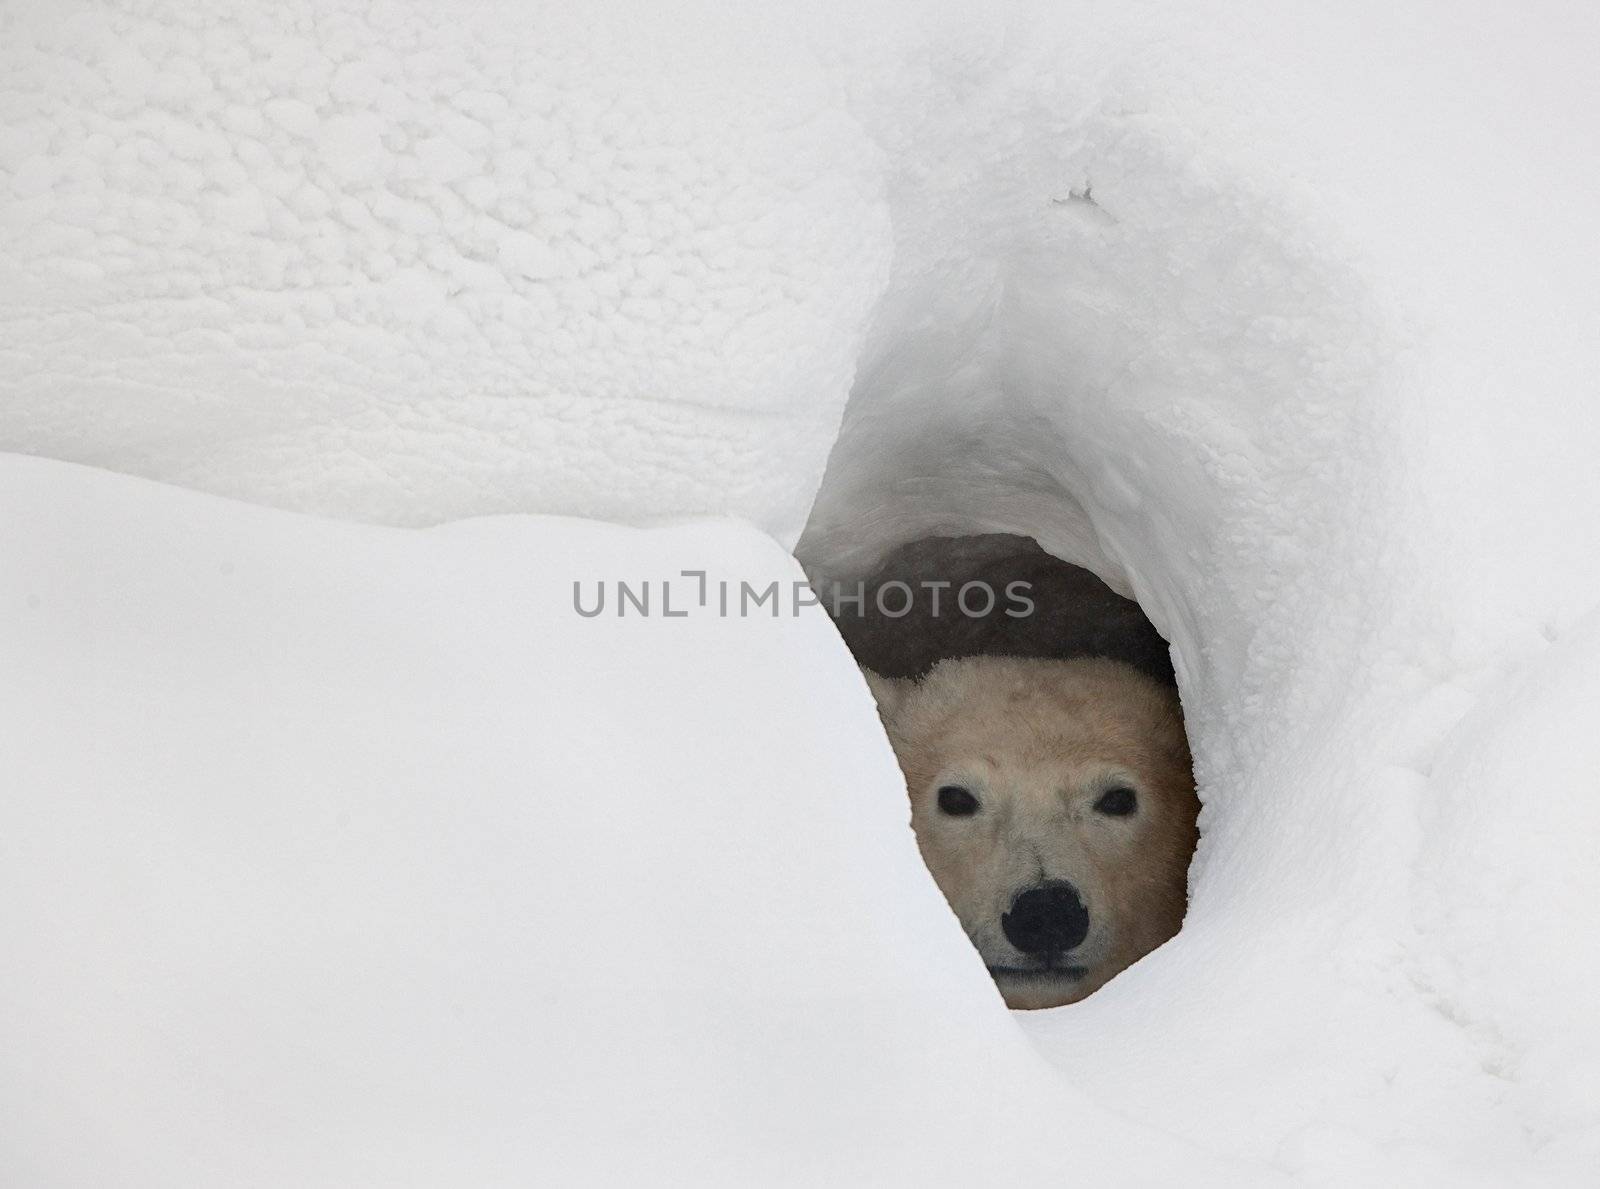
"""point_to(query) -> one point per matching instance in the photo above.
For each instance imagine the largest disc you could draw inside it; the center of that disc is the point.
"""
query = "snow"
(339, 854)
(1281, 319)
(264, 250)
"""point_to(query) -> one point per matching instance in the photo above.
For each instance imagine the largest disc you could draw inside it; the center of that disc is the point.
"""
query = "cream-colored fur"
(1038, 743)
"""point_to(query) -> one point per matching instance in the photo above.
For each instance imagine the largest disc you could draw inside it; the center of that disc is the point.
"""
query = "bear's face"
(1054, 803)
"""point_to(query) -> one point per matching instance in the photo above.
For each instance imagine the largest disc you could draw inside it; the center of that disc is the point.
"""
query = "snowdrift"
(369, 859)
(345, 855)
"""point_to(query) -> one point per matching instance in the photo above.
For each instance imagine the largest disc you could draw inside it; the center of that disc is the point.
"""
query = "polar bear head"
(1054, 803)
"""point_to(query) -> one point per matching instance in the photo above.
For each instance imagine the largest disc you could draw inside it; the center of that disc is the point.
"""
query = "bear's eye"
(957, 801)
(1117, 802)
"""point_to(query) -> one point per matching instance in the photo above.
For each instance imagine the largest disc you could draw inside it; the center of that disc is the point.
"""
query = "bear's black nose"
(1048, 919)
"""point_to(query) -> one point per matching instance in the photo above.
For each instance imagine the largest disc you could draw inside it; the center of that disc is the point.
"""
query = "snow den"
(339, 848)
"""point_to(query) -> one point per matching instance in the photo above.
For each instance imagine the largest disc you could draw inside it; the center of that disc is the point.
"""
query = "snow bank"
(1280, 319)
(338, 855)
(367, 259)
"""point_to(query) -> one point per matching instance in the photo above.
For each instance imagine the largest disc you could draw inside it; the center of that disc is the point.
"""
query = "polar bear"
(1054, 803)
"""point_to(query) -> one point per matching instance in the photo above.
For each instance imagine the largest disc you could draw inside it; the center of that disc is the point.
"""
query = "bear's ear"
(890, 692)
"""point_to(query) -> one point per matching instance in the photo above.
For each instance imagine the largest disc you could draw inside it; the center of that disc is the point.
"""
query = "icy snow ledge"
(338, 855)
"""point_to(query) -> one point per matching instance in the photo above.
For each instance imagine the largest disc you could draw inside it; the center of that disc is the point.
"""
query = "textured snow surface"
(407, 262)
(1283, 318)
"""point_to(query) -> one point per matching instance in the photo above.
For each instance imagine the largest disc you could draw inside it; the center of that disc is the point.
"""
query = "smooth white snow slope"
(1284, 318)
(333, 854)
